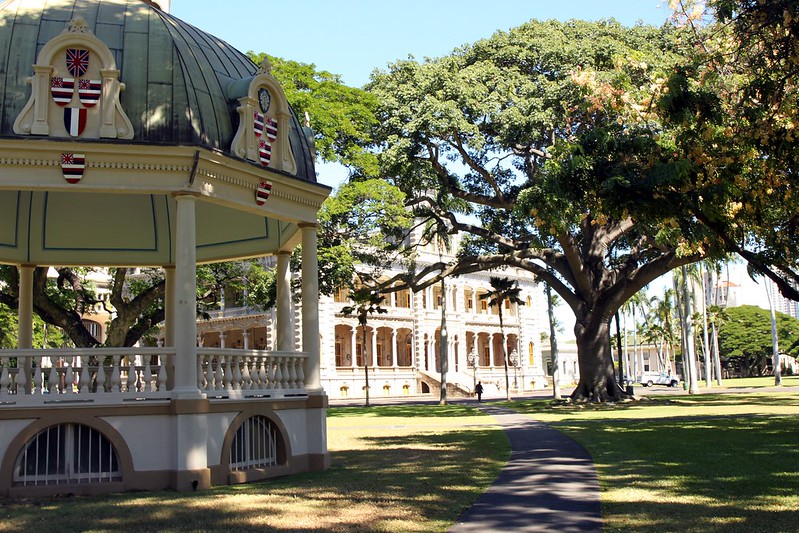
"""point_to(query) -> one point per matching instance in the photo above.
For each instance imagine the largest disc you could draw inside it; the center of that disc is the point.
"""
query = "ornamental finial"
(266, 67)
(77, 25)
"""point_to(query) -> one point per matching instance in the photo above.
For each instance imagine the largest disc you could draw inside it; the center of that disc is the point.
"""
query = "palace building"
(402, 347)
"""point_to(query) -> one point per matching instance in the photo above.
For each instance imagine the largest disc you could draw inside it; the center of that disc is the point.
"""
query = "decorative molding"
(75, 89)
(264, 123)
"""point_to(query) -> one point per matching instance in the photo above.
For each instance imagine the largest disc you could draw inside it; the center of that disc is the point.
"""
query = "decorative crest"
(77, 25)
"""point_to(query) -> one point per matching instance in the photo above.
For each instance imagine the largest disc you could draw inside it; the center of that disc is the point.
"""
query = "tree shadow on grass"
(416, 482)
(405, 411)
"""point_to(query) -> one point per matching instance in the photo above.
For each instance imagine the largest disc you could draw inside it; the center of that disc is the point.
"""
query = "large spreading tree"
(543, 146)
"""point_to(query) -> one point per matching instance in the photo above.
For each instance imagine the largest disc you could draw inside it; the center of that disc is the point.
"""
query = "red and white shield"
(264, 152)
(271, 129)
(74, 120)
(258, 123)
(72, 166)
(89, 91)
(62, 89)
(263, 192)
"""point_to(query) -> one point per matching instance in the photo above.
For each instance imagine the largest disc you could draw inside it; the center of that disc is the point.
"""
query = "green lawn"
(703, 463)
(393, 469)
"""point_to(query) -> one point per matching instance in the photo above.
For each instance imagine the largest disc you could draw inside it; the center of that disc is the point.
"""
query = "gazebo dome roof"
(181, 85)
(111, 110)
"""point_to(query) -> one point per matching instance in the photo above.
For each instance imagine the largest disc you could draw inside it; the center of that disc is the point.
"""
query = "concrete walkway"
(549, 484)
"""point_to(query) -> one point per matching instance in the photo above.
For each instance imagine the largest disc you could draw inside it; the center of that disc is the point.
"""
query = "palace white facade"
(403, 345)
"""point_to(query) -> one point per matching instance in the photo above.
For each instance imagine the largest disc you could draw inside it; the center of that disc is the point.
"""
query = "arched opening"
(256, 444)
(66, 454)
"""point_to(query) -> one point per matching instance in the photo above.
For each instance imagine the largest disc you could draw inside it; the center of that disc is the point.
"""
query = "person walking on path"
(479, 390)
(549, 483)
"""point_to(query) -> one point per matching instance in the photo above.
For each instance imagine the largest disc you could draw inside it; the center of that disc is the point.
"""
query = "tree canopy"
(543, 146)
(745, 338)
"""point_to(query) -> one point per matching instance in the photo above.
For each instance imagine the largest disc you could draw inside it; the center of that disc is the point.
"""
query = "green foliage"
(745, 338)
(360, 225)
(542, 147)
(342, 118)
(238, 283)
(733, 110)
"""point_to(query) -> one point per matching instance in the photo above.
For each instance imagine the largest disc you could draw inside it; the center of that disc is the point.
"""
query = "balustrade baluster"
(52, 379)
(116, 385)
(228, 378)
(263, 373)
(272, 366)
(132, 374)
(20, 380)
(246, 380)
(38, 376)
(292, 362)
(280, 373)
(219, 373)
(300, 374)
(5, 378)
(237, 373)
(69, 376)
(148, 385)
(84, 375)
(100, 379)
(162, 373)
(209, 374)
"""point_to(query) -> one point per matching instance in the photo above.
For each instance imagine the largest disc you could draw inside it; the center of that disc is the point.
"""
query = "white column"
(246, 336)
(185, 295)
(283, 334)
(373, 353)
(310, 307)
(25, 310)
(221, 339)
(394, 348)
(354, 348)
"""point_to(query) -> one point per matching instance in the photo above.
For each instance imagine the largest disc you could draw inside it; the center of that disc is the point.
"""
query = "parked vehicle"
(647, 379)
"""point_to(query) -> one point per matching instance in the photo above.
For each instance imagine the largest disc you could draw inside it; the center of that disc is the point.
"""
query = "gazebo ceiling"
(110, 108)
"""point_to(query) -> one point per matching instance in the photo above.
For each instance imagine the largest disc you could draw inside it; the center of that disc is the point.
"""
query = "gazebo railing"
(61, 374)
(109, 374)
(240, 373)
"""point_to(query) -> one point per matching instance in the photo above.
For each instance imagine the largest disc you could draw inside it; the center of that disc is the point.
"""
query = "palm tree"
(366, 302)
(503, 289)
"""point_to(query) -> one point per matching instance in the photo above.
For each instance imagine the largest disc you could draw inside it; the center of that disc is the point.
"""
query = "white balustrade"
(117, 374)
(76, 374)
(231, 372)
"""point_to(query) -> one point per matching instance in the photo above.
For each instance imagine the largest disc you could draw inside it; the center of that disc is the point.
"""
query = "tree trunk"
(597, 377)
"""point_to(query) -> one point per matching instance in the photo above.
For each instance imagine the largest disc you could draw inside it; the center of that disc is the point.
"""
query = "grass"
(701, 463)
(394, 468)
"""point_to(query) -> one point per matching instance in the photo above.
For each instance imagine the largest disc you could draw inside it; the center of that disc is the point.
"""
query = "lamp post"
(444, 362)
(514, 360)
(472, 359)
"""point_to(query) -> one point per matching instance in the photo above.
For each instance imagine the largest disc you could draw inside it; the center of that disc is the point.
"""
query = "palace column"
(394, 349)
(310, 307)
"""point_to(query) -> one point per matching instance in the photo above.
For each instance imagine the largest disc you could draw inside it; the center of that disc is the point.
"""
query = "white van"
(647, 379)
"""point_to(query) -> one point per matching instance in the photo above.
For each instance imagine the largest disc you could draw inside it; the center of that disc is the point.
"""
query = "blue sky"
(353, 37)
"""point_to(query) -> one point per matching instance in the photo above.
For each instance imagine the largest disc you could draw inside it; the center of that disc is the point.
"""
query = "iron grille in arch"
(254, 444)
(67, 453)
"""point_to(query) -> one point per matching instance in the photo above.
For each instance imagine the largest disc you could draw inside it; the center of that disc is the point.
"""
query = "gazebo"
(129, 138)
